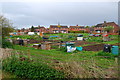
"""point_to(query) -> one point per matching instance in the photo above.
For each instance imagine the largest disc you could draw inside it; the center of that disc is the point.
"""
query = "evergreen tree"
(32, 29)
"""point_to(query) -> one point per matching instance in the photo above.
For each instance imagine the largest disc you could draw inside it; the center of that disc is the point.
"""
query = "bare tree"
(5, 26)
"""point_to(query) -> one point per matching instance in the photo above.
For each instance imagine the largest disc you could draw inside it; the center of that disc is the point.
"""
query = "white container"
(80, 38)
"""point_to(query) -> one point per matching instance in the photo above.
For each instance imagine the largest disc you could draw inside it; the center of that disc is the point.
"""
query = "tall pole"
(59, 32)
(59, 26)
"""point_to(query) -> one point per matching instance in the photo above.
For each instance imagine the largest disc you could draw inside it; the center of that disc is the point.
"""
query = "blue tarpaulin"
(54, 36)
(79, 48)
(10, 35)
(14, 33)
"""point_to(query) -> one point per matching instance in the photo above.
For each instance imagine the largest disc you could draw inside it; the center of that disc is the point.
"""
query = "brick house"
(99, 28)
(41, 29)
(57, 29)
(78, 28)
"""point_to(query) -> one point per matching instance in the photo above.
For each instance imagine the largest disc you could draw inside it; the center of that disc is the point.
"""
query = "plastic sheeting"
(70, 49)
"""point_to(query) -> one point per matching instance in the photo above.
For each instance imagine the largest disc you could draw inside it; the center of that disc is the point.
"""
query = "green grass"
(85, 59)
(111, 42)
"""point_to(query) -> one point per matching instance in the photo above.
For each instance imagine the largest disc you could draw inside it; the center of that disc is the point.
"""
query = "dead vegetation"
(75, 69)
(5, 53)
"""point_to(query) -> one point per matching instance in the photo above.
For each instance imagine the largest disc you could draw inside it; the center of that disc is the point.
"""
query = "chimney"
(38, 26)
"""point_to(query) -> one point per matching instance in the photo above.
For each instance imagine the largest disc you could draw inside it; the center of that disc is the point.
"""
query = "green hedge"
(30, 70)
(78, 31)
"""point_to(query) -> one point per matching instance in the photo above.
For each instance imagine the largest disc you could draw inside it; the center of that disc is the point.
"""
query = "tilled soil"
(78, 43)
(96, 47)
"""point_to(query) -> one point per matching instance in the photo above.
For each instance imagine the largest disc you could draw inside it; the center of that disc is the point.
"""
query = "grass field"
(78, 64)
(85, 64)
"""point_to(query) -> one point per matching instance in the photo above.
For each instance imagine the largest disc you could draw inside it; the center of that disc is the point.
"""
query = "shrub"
(6, 44)
(27, 69)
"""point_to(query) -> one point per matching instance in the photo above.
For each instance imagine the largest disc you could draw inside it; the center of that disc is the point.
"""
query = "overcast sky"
(26, 14)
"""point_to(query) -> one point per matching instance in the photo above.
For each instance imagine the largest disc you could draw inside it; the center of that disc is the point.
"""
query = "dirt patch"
(78, 43)
(96, 47)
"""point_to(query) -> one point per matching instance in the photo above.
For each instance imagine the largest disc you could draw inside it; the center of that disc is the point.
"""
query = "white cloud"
(14, 16)
(70, 13)
(0, 8)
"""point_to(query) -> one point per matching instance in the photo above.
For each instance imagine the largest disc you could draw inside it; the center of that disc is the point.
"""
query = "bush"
(6, 44)
(28, 69)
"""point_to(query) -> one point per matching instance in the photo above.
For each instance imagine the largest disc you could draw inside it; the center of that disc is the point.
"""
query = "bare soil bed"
(78, 43)
(96, 47)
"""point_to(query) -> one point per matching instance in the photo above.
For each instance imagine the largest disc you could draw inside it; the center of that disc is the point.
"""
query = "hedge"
(78, 31)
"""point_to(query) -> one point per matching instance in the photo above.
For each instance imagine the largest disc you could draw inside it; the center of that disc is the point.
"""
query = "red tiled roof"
(106, 24)
(77, 27)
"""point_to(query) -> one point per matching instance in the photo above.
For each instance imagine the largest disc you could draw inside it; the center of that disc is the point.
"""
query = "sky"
(46, 13)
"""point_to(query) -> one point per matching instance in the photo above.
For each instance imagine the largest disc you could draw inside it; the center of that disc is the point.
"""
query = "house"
(99, 28)
(58, 29)
(41, 29)
(78, 28)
